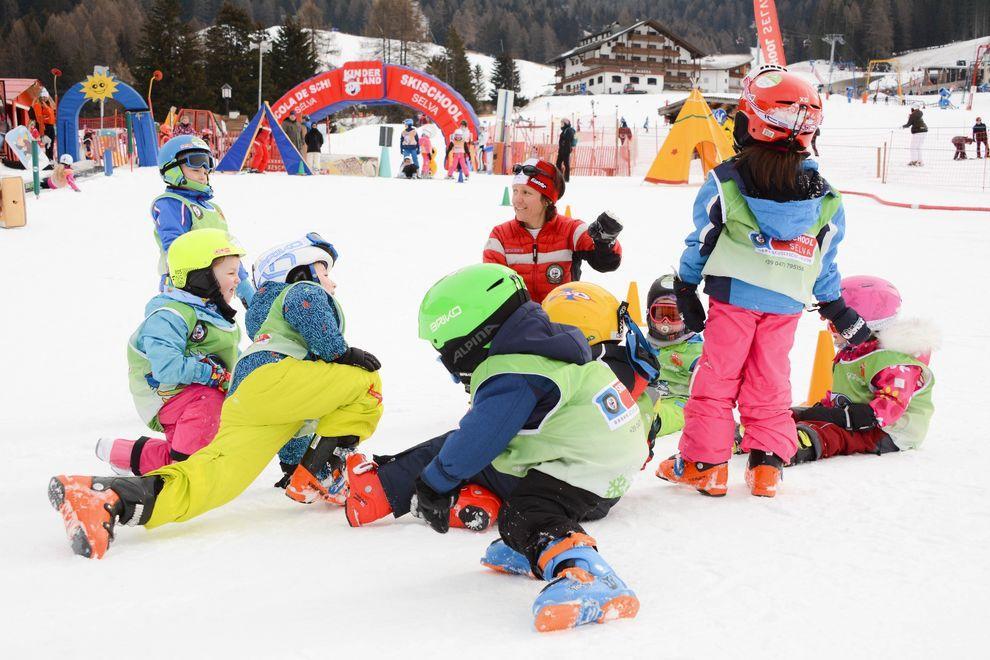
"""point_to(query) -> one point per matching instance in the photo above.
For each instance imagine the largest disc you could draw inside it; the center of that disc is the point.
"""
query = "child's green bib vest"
(675, 367)
(202, 218)
(745, 253)
(203, 338)
(853, 379)
(276, 335)
(595, 438)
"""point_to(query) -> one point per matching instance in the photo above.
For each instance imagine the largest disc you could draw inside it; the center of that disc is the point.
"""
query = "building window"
(617, 79)
(634, 79)
(651, 81)
(599, 80)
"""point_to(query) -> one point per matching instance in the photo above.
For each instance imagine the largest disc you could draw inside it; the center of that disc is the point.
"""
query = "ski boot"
(502, 559)
(707, 478)
(476, 508)
(366, 501)
(809, 445)
(583, 588)
(763, 473)
(304, 485)
(90, 506)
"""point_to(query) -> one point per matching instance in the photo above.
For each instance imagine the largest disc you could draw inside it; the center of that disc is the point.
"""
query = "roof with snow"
(718, 62)
(614, 32)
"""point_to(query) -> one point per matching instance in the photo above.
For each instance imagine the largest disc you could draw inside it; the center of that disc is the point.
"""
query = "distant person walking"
(919, 131)
(980, 137)
(314, 145)
(564, 145)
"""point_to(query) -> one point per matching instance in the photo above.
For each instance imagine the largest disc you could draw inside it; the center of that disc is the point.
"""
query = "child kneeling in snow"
(881, 397)
(180, 356)
(62, 175)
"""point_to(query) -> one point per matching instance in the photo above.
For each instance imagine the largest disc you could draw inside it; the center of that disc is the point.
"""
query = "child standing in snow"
(426, 151)
(767, 231)
(457, 151)
(298, 369)
(185, 163)
(881, 397)
(62, 174)
(180, 356)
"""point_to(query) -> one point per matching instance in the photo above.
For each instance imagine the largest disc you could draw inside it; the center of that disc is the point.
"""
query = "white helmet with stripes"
(282, 263)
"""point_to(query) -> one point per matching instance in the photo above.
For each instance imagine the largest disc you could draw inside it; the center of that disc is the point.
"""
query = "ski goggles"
(323, 244)
(664, 317)
(198, 160)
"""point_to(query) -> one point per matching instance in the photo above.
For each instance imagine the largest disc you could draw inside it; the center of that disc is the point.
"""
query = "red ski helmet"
(779, 107)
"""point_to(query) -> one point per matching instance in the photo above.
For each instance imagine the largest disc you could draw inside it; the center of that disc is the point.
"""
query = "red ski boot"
(366, 501)
(476, 508)
(707, 478)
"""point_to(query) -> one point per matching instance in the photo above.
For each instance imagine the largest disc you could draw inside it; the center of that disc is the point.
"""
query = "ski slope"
(858, 557)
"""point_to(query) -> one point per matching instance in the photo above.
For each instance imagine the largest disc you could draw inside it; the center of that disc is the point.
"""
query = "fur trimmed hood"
(913, 336)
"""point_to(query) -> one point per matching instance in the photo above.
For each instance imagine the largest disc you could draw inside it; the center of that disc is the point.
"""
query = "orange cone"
(632, 297)
(567, 211)
(821, 370)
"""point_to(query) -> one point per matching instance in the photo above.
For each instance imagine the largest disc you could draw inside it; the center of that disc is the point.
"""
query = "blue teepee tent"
(236, 156)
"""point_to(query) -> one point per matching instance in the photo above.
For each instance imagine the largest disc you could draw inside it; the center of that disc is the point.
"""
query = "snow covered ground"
(858, 557)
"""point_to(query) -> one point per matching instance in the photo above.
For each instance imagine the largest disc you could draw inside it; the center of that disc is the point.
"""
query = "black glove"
(358, 358)
(605, 229)
(689, 305)
(847, 322)
(852, 416)
(434, 507)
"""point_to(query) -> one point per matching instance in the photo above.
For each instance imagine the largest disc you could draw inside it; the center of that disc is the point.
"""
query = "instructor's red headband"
(539, 175)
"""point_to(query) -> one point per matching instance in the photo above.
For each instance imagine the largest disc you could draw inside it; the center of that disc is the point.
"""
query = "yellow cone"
(632, 297)
(567, 211)
(821, 370)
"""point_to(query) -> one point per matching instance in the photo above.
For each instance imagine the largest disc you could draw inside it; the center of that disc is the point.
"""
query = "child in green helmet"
(181, 355)
(185, 163)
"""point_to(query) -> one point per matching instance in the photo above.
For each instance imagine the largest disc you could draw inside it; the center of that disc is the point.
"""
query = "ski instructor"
(543, 246)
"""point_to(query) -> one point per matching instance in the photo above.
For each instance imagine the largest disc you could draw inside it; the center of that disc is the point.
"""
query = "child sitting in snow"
(881, 397)
(62, 175)
(181, 355)
(679, 350)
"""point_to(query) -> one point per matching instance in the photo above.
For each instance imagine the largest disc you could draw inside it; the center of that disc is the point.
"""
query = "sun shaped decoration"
(99, 86)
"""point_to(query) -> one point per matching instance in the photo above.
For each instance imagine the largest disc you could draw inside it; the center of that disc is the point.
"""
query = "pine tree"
(293, 57)
(505, 75)
(459, 76)
(169, 45)
(228, 44)
(478, 84)
(880, 37)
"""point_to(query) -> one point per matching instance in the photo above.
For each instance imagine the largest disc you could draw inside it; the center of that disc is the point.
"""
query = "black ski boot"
(323, 452)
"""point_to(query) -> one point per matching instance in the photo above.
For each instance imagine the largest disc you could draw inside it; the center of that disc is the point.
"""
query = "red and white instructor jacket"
(553, 256)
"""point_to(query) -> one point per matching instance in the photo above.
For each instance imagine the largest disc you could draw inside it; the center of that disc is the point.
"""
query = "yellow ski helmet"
(197, 249)
(589, 307)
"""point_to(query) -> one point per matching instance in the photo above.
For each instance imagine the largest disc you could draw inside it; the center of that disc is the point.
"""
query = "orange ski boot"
(90, 506)
(707, 478)
(366, 500)
(476, 508)
(323, 454)
(763, 473)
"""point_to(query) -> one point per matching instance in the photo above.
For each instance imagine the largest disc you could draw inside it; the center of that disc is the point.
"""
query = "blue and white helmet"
(408, 122)
(282, 263)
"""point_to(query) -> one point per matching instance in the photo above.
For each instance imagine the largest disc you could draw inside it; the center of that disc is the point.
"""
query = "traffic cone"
(567, 211)
(821, 369)
(505, 197)
(632, 297)
(301, 169)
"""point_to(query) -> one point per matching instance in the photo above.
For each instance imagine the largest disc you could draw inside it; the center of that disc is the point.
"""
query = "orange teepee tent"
(694, 129)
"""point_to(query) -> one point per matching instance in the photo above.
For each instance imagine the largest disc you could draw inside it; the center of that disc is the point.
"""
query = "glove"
(219, 376)
(689, 305)
(852, 416)
(355, 357)
(605, 229)
(847, 322)
(433, 507)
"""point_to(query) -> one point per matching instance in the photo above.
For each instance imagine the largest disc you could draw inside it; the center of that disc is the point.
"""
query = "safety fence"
(603, 150)
(99, 142)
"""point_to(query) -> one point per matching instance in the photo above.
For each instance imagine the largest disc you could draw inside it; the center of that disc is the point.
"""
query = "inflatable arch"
(67, 119)
(375, 83)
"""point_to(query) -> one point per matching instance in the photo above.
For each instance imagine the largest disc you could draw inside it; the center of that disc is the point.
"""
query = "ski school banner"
(374, 83)
(768, 30)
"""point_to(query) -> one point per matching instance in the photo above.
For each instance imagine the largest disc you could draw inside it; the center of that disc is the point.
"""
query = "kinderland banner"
(374, 83)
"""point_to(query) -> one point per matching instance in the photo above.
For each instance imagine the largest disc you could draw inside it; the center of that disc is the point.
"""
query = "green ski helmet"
(461, 313)
(196, 250)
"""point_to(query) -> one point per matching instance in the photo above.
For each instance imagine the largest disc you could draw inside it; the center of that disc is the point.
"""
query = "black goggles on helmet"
(198, 160)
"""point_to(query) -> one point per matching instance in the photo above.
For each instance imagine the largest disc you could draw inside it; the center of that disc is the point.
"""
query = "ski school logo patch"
(198, 212)
(800, 249)
(198, 333)
(616, 405)
(555, 274)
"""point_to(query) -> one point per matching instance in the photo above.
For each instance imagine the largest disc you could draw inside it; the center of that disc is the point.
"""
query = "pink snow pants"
(190, 420)
(454, 160)
(744, 361)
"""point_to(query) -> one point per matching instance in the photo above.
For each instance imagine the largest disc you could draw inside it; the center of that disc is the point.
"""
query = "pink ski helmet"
(874, 298)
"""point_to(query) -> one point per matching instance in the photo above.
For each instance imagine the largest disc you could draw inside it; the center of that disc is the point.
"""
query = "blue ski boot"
(501, 558)
(584, 589)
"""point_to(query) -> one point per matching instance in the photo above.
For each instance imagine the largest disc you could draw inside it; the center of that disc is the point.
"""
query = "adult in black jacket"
(314, 145)
(564, 145)
(919, 131)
